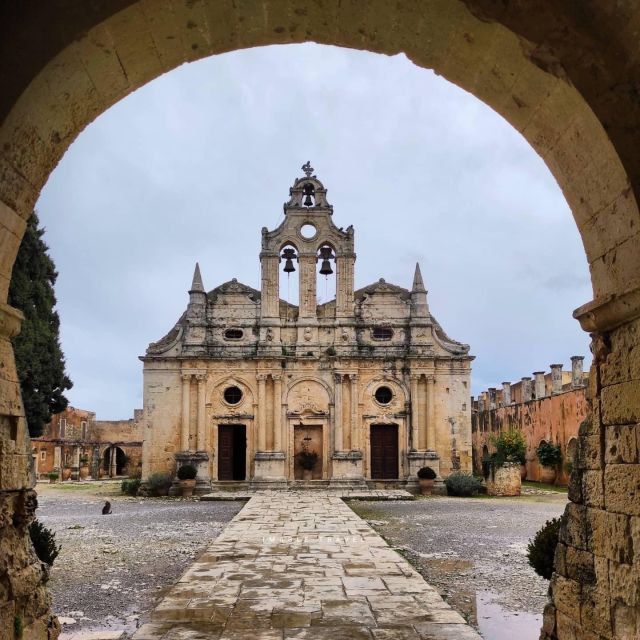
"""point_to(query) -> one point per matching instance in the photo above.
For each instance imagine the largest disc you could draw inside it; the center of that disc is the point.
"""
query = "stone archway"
(562, 74)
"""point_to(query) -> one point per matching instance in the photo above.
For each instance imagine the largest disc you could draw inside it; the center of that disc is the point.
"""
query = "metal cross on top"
(307, 168)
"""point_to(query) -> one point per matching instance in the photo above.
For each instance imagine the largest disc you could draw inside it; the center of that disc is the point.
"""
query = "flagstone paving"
(302, 565)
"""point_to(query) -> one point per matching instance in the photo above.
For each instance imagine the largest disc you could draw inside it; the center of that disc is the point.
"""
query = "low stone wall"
(504, 480)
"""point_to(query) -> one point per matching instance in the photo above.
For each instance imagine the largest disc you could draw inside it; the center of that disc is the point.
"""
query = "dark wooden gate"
(232, 451)
(384, 451)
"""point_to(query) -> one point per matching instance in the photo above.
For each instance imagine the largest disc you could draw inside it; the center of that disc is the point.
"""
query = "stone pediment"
(234, 287)
(382, 287)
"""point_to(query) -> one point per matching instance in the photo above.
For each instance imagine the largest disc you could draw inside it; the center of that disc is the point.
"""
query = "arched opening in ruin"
(114, 461)
(515, 64)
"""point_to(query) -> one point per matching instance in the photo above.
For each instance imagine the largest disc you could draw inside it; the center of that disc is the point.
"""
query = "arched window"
(382, 333)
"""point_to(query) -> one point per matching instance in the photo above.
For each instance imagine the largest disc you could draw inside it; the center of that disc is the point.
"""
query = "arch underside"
(565, 75)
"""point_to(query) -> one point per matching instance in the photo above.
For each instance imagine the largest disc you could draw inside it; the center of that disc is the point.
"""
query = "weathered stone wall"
(555, 419)
(504, 480)
(595, 588)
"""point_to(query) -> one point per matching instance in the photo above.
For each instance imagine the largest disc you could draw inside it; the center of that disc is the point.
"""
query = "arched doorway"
(114, 461)
(559, 72)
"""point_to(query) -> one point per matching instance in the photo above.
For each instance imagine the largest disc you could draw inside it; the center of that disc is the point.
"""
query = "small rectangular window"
(63, 427)
(43, 455)
(382, 333)
(83, 427)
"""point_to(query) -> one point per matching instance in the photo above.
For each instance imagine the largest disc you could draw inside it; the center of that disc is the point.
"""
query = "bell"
(308, 191)
(326, 254)
(326, 269)
(288, 255)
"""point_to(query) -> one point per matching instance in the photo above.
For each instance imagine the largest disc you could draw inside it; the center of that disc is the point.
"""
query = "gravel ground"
(473, 550)
(112, 569)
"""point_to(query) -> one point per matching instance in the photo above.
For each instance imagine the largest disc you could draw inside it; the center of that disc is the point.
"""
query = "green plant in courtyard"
(18, 627)
(130, 486)
(44, 542)
(510, 447)
(462, 484)
(542, 549)
(53, 475)
(159, 483)
(549, 454)
(187, 472)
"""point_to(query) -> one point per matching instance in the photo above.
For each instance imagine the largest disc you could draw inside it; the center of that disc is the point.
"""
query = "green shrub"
(549, 454)
(130, 486)
(159, 483)
(187, 472)
(510, 447)
(462, 484)
(44, 542)
(542, 549)
(53, 475)
(427, 473)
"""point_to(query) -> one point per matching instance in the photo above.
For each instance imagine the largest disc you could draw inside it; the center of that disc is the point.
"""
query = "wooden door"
(384, 451)
(225, 452)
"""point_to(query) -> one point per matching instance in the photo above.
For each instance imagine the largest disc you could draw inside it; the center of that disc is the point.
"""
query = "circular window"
(308, 231)
(233, 334)
(384, 395)
(233, 395)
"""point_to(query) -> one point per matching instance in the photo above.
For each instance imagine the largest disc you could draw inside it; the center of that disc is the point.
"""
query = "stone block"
(621, 403)
(621, 444)
(575, 486)
(622, 488)
(589, 454)
(593, 488)
(623, 362)
(573, 532)
(549, 619)
(624, 584)
(608, 535)
(559, 560)
(25, 581)
(567, 597)
(579, 566)
(626, 620)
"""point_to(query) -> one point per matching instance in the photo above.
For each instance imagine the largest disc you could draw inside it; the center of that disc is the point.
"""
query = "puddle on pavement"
(497, 623)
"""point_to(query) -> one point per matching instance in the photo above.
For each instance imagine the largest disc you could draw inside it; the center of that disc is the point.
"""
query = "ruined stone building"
(74, 444)
(550, 408)
(246, 382)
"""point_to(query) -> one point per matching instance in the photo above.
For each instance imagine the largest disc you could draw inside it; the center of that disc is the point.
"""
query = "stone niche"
(504, 480)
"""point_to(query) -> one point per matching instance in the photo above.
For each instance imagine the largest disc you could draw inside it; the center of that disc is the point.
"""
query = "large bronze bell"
(289, 255)
(326, 255)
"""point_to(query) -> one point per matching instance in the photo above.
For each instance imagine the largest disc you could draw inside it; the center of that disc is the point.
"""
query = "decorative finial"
(307, 168)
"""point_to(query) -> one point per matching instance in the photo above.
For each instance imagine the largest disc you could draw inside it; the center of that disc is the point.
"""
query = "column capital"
(201, 377)
(414, 376)
(261, 377)
(276, 377)
(338, 376)
(186, 377)
(353, 377)
(430, 379)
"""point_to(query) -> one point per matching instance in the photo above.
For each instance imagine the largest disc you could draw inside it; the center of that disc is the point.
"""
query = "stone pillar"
(506, 393)
(576, 372)
(184, 428)
(262, 413)
(113, 462)
(556, 378)
(355, 431)
(431, 413)
(75, 467)
(337, 419)
(277, 412)
(538, 380)
(493, 398)
(526, 389)
(307, 301)
(201, 424)
(270, 299)
(344, 285)
(415, 413)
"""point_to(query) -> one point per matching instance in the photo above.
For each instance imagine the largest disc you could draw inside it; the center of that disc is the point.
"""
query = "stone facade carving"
(307, 375)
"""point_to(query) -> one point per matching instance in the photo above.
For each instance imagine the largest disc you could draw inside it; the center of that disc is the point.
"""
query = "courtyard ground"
(473, 550)
(112, 569)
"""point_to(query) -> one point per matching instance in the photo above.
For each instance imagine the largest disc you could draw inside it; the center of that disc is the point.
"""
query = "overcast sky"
(191, 166)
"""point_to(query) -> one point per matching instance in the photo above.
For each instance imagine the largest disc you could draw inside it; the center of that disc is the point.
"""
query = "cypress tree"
(39, 357)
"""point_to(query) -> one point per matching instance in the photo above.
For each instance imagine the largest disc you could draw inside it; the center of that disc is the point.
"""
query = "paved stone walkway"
(302, 565)
(346, 494)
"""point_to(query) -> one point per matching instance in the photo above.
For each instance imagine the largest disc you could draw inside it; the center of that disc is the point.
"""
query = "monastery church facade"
(247, 386)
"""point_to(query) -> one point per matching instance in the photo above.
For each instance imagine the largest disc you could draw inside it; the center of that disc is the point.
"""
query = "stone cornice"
(10, 321)
(604, 314)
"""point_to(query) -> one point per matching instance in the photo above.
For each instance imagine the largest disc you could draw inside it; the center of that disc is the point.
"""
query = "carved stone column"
(308, 298)
(277, 412)
(262, 426)
(184, 432)
(431, 413)
(344, 282)
(269, 300)
(355, 431)
(113, 462)
(75, 467)
(201, 430)
(415, 412)
(337, 426)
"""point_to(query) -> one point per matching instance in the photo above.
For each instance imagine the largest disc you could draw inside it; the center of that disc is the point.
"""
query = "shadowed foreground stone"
(295, 565)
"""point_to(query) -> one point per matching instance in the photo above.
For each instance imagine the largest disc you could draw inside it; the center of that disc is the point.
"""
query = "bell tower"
(307, 238)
